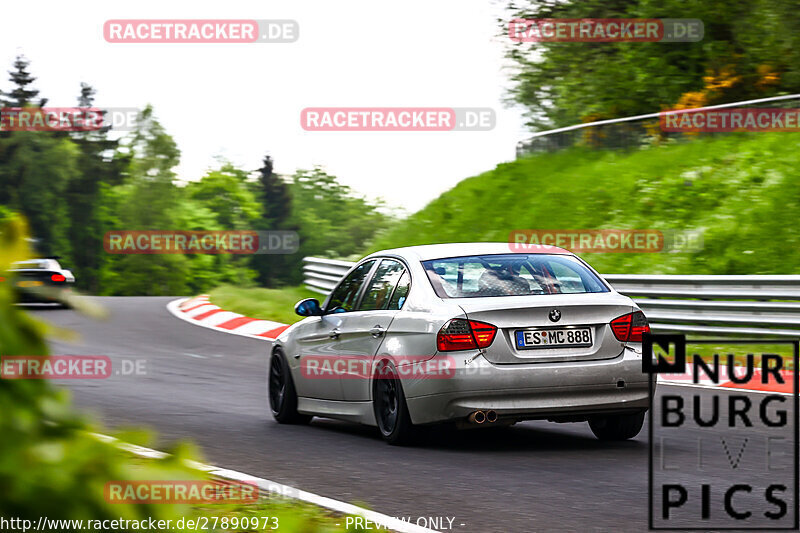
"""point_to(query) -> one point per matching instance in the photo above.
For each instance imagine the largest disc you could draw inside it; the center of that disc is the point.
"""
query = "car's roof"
(456, 249)
(34, 264)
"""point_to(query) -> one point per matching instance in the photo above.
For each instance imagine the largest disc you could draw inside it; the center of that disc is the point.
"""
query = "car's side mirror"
(308, 307)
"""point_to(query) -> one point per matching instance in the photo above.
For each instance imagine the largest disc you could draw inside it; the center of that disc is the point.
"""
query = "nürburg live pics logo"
(723, 447)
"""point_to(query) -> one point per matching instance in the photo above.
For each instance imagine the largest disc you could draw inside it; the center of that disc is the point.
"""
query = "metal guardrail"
(628, 132)
(717, 305)
(322, 275)
(712, 305)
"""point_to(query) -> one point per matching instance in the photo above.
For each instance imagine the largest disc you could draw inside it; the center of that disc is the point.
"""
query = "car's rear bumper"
(28, 298)
(46, 294)
(529, 391)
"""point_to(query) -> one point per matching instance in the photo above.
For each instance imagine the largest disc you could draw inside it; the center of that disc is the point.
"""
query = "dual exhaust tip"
(480, 417)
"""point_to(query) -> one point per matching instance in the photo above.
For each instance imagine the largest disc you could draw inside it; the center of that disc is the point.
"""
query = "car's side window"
(344, 297)
(379, 291)
(400, 292)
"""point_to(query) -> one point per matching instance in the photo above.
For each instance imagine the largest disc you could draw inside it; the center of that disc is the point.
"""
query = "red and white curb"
(753, 383)
(201, 312)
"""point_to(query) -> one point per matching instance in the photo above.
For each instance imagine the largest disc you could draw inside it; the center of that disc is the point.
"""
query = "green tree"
(221, 200)
(333, 221)
(275, 195)
(35, 171)
(99, 162)
(226, 193)
(22, 95)
(749, 50)
(273, 191)
(145, 201)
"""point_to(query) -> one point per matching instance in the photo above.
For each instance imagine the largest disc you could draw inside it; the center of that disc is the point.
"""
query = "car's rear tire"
(617, 427)
(389, 405)
(281, 392)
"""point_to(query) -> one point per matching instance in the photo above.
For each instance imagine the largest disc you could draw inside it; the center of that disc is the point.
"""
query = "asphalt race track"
(210, 388)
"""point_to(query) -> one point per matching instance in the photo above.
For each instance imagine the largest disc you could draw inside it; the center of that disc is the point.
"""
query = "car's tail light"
(58, 277)
(484, 333)
(2, 279)
(630, 327)
(462, 334)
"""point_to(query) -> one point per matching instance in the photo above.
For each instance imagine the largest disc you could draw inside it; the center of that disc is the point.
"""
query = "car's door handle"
(334, 334)
(377, 331)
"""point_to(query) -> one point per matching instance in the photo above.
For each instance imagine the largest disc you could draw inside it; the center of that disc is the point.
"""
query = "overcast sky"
(240, 101)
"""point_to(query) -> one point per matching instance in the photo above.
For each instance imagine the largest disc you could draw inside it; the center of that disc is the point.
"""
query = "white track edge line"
(272, 487)
(173, 307)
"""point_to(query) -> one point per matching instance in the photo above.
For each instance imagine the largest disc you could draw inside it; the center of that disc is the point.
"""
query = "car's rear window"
(511, 275)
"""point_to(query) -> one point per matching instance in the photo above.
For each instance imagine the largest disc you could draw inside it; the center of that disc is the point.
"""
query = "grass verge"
(266, 304)
(740, 190)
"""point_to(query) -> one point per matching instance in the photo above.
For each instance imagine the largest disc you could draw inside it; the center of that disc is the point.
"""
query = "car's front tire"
(389, 405)
(281, 392)
(617, 427)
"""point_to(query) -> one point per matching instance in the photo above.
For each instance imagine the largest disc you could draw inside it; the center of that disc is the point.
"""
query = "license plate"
(553, 338)
(29, 284)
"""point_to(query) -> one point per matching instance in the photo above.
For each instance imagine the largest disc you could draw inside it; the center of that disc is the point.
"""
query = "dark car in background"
(39, 280)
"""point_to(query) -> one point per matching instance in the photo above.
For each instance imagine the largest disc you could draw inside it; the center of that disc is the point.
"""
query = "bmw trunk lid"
(550, 328)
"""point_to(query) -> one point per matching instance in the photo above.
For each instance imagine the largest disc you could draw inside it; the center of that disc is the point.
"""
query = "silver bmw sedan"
(474, 334)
